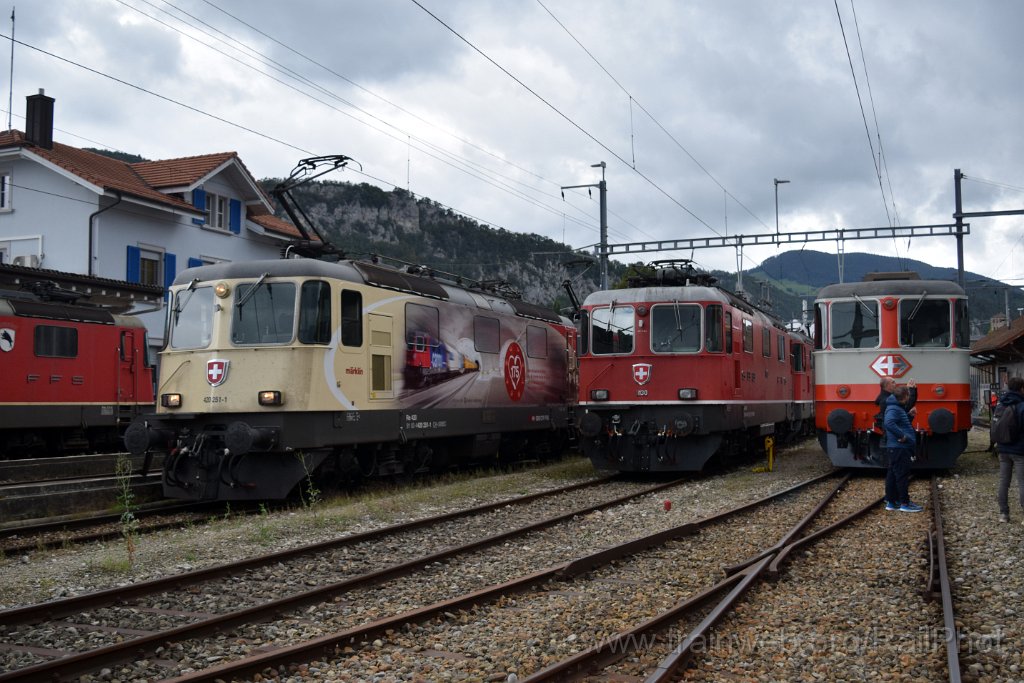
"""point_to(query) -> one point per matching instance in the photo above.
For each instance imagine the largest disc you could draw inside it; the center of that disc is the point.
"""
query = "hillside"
(364, 219)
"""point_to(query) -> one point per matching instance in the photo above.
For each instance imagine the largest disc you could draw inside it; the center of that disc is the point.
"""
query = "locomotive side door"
(127, 368)
(381, 355)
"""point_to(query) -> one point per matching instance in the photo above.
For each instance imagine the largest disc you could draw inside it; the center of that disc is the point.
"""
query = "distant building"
(68, 209)
(998, 355)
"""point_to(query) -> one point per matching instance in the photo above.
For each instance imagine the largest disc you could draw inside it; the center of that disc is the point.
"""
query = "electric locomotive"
(74, 374)
(275, 372)
(892, 325)
(674, 370)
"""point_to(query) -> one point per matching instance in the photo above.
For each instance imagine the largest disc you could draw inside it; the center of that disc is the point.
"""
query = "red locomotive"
(74, 374)
(674, 370)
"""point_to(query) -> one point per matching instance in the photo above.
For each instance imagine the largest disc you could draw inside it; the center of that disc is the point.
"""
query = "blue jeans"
(897, 477)
(1010, 465)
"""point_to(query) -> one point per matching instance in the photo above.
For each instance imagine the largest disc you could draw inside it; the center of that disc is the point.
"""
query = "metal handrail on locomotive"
(674, 370)
(276, 371)
(892, 325)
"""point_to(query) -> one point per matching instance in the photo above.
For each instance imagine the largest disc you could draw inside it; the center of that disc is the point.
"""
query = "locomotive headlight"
(842, 391)
(598, 394)
(271, 398)
(687, 394)
(222, 289)
(170, 400)
(940, 391)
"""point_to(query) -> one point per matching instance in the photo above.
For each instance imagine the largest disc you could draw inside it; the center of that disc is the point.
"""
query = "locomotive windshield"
(925, 322)
(264, 313)
(675, 328)
(854, 324)
(611, 330)
(192, 318)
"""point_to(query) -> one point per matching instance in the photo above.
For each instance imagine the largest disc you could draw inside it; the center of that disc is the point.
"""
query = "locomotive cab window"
(713, 329)
(351, 318)
(56, 342)
(963, 325)
(854, 324)
(315, 312)
(797, 353)
(191, 318)
(263, 313)
(728, 332)
(584, 332)
(675, 328)
(611, 330)
(925, 322)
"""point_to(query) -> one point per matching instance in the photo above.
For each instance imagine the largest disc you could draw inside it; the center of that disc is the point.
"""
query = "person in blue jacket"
(900, 442)
(1011, 455)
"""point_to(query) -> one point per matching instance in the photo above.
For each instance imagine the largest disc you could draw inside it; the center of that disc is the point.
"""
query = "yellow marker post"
(769, 448)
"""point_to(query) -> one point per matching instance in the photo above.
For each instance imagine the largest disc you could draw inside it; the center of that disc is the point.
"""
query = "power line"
(651, 116)
(563, 116)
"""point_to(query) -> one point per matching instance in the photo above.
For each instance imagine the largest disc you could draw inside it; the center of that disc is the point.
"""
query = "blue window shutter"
(235, 216)
(199, 201)
(132, 273)
(169, 268)
(194, 262)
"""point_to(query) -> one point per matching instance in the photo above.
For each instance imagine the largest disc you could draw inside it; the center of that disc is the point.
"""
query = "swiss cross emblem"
(216, 371)
(642, 373)
(891, 365)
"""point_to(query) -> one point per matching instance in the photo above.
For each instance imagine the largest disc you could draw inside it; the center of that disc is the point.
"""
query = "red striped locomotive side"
(892, 325)
(675, 370)
(73, 376)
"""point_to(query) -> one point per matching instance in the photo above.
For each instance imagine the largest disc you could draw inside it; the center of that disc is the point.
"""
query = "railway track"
(621, 583)
(178, 608)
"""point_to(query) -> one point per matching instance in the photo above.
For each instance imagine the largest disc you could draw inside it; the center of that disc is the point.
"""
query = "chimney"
(39, 120)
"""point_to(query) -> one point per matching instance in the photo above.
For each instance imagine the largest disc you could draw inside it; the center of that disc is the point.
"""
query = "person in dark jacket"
(1011, 455)
(886, 386)
(900, 442)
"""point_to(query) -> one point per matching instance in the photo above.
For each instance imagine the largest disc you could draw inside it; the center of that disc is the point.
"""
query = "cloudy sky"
(488, 107)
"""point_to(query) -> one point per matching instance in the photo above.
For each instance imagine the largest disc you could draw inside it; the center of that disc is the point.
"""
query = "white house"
(68, 209)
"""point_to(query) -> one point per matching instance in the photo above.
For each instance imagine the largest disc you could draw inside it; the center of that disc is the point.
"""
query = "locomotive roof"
(370, 274)
(891, 288)
(682, 294)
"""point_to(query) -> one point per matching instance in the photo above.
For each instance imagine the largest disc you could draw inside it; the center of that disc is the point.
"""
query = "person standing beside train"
(1011, 454)
(900, 442)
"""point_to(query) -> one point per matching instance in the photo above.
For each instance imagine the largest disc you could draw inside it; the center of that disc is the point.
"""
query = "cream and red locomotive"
(276, 371)
(892, 325)
(674, 370)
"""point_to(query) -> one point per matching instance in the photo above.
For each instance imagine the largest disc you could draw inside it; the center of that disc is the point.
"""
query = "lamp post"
(777, 183)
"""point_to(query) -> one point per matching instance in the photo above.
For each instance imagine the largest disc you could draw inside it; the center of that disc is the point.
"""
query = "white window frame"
(218, 209)
(6, 198)
(155, 255)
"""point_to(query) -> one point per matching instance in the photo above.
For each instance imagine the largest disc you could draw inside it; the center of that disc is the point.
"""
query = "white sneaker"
(1003, 517)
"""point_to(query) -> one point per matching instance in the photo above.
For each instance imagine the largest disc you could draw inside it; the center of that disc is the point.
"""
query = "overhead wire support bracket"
(742, 240)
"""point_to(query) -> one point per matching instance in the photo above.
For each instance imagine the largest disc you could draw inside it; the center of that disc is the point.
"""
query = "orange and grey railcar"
(675, 370)
(892, 325)
(279, 372)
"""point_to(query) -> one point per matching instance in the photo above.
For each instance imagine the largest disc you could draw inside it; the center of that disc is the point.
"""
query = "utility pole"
(959, 216)
(602, 247)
